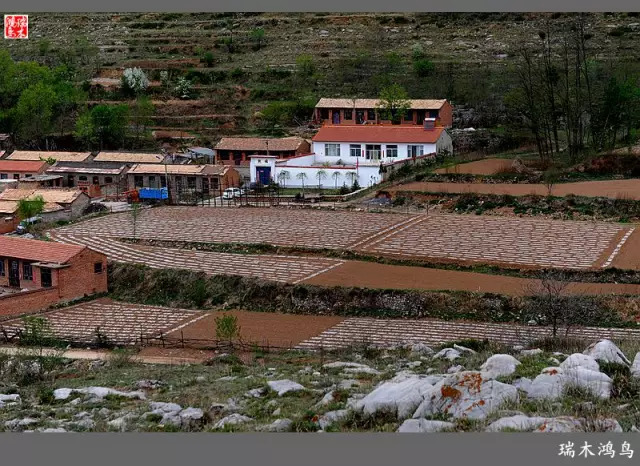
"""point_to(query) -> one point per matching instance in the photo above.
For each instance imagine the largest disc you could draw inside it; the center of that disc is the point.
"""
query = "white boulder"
(500, 365)
(606, 350)
(450, 354)
(332, 417)
(580, 360)
(284, 386)
(468, 394)
(280, 425)
(519, 423)
(399, 398)
(635, 368)
(232, 420)
(424, 426)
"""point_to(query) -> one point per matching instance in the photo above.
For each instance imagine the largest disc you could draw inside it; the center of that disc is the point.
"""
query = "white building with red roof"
(345, 153)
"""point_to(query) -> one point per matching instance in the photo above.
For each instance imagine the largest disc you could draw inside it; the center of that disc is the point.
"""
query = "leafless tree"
(549, 295)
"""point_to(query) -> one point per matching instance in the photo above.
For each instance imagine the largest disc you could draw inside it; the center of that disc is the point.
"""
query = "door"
(263, 175)
(336, 117)
(14, 273)
(45, 277)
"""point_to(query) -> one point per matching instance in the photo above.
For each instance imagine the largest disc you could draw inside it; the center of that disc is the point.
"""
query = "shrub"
(134, 80)
(423, 67)
(227, 327)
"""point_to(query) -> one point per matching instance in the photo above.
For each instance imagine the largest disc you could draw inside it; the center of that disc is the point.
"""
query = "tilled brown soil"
(478, 167)
(373, 275)
(262, 328)
(615, 189)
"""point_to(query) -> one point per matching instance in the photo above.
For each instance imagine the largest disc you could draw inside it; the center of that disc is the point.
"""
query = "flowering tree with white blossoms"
(135, 80)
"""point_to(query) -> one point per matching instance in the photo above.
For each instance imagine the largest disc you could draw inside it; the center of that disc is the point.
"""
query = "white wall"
(366, 177)
(319, 149)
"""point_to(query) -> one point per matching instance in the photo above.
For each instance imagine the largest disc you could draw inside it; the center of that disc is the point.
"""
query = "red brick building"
(20, 169)
(365, 111)
(36, 274)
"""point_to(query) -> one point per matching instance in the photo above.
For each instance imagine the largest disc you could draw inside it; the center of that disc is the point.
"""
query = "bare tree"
(548, 295)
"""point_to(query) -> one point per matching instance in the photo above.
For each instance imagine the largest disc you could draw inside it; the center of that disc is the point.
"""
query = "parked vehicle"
(231, 193)
(24, 225)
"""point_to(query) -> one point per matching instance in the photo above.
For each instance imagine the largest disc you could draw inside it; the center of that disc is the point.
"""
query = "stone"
(531, 352)
(85, 423)
(580, 360)
(424, 426)
(255, 393)
(421, 348)
(399, 398)
(217, 409)
(149, 384)
(13, 398)
(518, 422)
(201, 379)
(191, 416)
(20, 424)
(53, 430)
(284, 386)
(500, 365)
(326, 400)
(332, 417)
(227, 378)
(280, 425)
(450, 354)
(454, 369)
(276, 412)
(232, 420)
(165, 407)
(468, 394)
(606, 350)
(635, 368)
(552, 382)
(464, 349)
(348, 384)
(120, 423)
(523, 383)
(95, 393)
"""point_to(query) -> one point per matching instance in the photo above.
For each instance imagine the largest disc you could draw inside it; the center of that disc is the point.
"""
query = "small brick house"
(365, 111)
(21, 169)
(47, 273)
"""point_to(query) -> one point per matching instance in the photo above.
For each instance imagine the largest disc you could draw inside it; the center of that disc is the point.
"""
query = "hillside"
(350, 55)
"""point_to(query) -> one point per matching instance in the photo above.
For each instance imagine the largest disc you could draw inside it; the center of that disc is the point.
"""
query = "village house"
(107, 179)
(236, 151)
(60, 204)
(20, 169)
(37, 274)
(343, 154)
(46, 155)
(41, 182)
(130, 158)
(366, 111)
(202, 180)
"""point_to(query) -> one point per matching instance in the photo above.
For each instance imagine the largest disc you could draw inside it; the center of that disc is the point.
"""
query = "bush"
(227, 327)
(423, 67)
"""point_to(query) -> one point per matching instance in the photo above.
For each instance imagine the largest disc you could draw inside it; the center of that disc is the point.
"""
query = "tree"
(257, 34)
(28, 208)
(141, 114)
(134, 81)
(183, 88)
(135, 213)
(394, 103)
(305, 65)
(335, 176)
(321, 175)
(208, 59)
(550, 178)
(283, 177)
(302, 176)
(34, 112)
(552, 304)
(423, 67)
(104, 124)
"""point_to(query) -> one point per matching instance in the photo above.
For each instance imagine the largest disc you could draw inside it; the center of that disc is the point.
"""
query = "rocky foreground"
(414, 388)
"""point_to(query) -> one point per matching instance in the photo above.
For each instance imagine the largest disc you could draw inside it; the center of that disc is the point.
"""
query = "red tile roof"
(378, 134)
(21, 166)
(35, 250)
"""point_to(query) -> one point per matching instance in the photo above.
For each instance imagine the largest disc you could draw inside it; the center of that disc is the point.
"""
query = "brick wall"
(80, 278)
(28, 301)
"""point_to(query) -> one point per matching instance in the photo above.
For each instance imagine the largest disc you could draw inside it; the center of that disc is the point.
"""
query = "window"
(28, 175)
(152, 181)
(108, 179)
(16, 176)
(45, 277)
(355, 150)
(332, 150)
(324, 113)
(392, 150)
(408, 116)
(138, 181)
(27, 272)
(359, 116)
(163, 181)
(373, 151)
(371, 114)
(348, 114)
(414, 151)
(2, 272)
(82, 178)
(96, 180)
(71, 181)
(97, 267)
(191, 182)
(3, 176)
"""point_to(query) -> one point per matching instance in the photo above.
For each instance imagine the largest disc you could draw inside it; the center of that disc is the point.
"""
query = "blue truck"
(156, 194)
